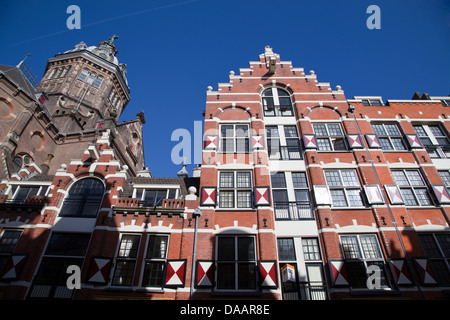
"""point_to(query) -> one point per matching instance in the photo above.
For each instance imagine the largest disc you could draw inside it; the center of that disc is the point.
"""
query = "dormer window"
(154, 197)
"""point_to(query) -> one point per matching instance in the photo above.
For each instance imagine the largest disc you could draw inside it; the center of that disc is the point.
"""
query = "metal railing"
(293, 211)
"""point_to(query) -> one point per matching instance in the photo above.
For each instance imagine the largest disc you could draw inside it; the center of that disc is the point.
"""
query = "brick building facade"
(302, 193)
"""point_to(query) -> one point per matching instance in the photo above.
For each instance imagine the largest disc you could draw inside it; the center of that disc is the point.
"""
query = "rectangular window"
(360, 252)
(236, 263)
(286, 250)
(434, 139)
(345, 188)
(63, 250)
(311, 251)
(330, 137)
(234, 138)
(389, 136)
(412, 187)
(84, 74)
(126, 260)
(21, 193)
(445, 176)
(154, 197)
(98, 82)
(8, 240)
(155, 260)
(235, 189)
(437, 248)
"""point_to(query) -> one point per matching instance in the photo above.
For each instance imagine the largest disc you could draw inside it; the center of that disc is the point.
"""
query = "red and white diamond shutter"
(401, 272)
(338, 270)
(373, 194)
(205, 273)
(309, 141)
(372, 140)
(99, 270)
(441, 193)
(355, 141)
(413, 141)
(258, 142)
(425, 272)
(175, 273)
(211, 142)
(268, 274)
(13, 267)
(208, 196)
(262, 196)
(393, 192)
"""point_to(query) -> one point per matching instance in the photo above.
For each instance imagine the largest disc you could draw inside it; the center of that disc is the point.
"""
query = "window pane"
(311, 250)
(350, 247)
(246, 276)
(354, 197)
(429, 246)
(420, 131)
(246, 249)
(226, 179)
(339, 144)
(286, 251)
(226, 249)
(150, 195)
(299, 180)
(98, 82)
(385, 144)
(423, 197)
(68, 244)
(272, 132)
(128, 246)
(244, 199)
(436, 131)
(226, 199)
(242, 130)
(392, 130)
(334, 129)
(398, 143)
(83, 75)
(333, 178)
(278, 180)
(290, 132)
(242, 145)
(227, 131)
(226, 276)
(350, 178)
(378, 129)
(408, 197)
(324, 144)
(282, 93)
(369, 246)
(153, 274)
(320, 129)
(157, 247)
(400, 178)
(302, 196)
(280, 196)
(414, 178)
(338, 198)
(444, 243)
(445, 175)
(123, 275)
(9, 240)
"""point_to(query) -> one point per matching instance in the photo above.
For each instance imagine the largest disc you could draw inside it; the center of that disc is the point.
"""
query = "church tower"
(85, 86)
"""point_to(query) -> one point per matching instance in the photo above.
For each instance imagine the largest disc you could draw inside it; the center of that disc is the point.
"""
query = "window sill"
(350, 208)
(134, 289)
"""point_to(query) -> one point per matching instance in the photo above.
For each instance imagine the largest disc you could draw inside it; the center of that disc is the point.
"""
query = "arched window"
(84, 199)
(277, 102)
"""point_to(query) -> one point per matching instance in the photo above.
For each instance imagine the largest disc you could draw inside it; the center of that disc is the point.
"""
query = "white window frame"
(345, 189)
(235, 189)
(413, 188)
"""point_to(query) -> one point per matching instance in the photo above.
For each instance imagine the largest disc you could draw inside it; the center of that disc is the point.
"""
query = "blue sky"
(174, 49)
